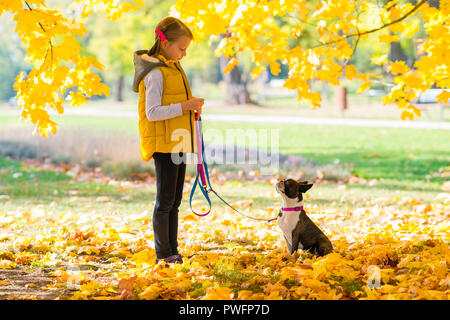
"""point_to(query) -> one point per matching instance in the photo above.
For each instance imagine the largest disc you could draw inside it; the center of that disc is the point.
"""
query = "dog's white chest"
(287, 223)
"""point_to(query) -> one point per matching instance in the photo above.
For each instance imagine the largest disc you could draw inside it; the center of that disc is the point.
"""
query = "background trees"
(72, 54)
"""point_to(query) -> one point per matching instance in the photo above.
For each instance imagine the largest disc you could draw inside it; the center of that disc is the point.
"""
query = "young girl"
(166, 126)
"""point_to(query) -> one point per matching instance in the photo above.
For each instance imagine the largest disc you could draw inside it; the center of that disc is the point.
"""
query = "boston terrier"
(298, 230)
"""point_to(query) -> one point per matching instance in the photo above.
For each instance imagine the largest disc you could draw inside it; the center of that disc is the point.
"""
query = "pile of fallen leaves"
(397, 249)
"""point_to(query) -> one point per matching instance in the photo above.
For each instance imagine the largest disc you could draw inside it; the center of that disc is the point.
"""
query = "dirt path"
(29, 283)
(86, 111)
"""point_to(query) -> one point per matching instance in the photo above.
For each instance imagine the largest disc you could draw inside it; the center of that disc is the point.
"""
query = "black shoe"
(179, 258)
(171, 259)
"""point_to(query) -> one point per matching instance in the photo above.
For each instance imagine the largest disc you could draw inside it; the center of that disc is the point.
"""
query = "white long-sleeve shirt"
(153, 95)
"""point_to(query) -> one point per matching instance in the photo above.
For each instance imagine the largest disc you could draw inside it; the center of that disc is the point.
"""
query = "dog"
(298, 230)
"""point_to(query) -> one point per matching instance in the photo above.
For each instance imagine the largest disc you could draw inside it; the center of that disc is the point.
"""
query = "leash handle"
(205, 193)
(200, 171)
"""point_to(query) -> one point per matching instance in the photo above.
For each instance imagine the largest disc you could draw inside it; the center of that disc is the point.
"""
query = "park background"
(381, 184)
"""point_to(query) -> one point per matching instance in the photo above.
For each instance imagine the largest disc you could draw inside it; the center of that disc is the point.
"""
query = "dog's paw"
(323, 248)
(323, 251)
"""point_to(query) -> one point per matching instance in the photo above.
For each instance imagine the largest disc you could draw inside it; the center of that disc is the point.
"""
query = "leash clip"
(205, 188)
(207, 191)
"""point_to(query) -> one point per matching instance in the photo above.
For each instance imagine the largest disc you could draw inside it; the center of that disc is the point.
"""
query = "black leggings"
(169, 192)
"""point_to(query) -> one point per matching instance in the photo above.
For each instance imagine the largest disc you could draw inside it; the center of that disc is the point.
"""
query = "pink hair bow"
(161, 34)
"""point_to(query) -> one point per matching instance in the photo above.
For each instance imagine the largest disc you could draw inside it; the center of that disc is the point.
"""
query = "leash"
(204, 182)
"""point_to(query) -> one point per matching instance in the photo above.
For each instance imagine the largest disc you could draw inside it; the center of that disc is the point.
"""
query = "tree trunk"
(235, 88)
(434, 3)
(340, 95)
(120, 85)
(396, 53)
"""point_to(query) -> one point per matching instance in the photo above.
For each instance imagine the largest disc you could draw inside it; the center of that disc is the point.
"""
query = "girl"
(166, 126)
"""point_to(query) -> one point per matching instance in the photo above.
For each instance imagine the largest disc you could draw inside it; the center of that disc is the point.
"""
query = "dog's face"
(292, 193)
(292, 190)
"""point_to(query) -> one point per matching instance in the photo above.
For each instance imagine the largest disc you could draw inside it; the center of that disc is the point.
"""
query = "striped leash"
(202, 173)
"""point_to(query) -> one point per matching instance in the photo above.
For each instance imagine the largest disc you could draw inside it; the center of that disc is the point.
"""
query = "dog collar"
(293, 209)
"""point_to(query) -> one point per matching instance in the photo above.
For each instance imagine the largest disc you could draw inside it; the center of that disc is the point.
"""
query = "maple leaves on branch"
(269, 30)
(56, 56)
(255, 27)
(359, 33)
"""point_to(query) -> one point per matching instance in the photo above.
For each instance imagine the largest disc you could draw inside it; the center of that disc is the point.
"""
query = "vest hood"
(143, 64)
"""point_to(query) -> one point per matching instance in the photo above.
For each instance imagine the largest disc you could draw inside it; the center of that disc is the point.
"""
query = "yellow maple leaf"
(233, 62)
(218, 293)
(387, 38)
(350, 71)
(6, 264)
(365, 86)
(245, 294)
(89, 250)
(315, 98)
(275, 68)
(257, 71)
(406, 114)
(144, 259)
(274, 295)
(321, 27)
(379, 59)
(90, 288)
(183, 285)
(398, 67)
(443, 97)
(151, 293)
(416, 110)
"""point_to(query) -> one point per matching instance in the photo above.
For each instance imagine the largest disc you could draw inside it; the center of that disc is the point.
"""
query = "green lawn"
(403, 155)
(25, 188)
(405, 162)
(58, 193)
(399, 154)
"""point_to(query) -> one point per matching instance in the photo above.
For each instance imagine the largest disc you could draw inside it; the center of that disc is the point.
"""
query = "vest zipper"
(190, 111)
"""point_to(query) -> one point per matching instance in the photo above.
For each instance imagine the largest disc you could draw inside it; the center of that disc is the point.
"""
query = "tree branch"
(359, 34)
(49, 42)
(31, 9)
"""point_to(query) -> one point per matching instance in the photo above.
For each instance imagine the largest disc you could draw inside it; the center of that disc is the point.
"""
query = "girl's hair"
(173, 29)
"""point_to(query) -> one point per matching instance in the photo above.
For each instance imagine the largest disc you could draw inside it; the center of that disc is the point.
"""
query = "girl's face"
(175, 50)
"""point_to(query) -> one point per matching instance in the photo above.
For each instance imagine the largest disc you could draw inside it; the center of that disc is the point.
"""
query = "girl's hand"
(193, 104)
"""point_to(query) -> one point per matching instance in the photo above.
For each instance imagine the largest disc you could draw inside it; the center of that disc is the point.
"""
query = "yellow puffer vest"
(167, 136)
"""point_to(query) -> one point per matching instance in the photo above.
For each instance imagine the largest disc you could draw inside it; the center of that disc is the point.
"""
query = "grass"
(26, 186)
(14, 172)
(405, 162)
(358, 105)
(31, 194)
(35, 189)
(395, 154)
(103, 241)
(401, 155)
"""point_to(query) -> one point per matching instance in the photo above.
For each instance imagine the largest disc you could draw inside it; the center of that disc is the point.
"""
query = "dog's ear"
(302, 188)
